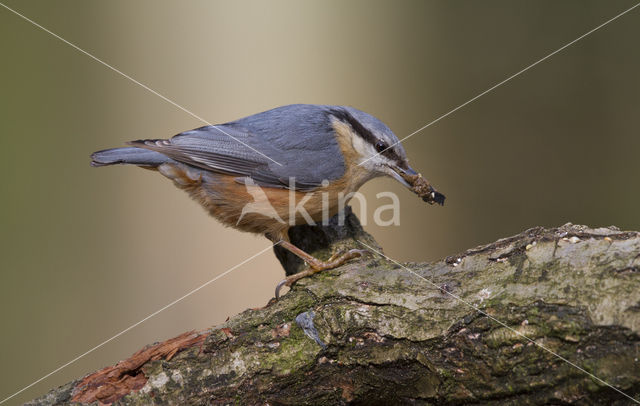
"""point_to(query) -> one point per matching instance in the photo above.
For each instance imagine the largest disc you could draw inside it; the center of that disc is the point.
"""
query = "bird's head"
(379, 152)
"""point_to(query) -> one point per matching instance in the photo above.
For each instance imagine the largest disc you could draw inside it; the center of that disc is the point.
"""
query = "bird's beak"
(417, 184)
(400, 175)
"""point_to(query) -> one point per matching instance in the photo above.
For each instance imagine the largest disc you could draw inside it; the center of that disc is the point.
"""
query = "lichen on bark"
(371, 332)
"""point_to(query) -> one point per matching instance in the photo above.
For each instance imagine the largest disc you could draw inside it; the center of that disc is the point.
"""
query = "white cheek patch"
(362, 147)
(365, 151)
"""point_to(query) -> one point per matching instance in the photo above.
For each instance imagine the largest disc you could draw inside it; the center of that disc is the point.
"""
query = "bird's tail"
(128, 155)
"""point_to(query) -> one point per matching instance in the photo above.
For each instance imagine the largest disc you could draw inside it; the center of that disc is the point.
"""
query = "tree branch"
(372, 332)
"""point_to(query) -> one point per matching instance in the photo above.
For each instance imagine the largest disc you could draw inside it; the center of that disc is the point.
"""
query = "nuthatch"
(312, 154)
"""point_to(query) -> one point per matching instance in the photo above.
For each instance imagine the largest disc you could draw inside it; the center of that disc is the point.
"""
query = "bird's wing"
(270, 148)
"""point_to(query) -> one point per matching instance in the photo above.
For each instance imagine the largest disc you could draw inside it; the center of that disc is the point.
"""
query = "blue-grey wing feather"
(299, 138)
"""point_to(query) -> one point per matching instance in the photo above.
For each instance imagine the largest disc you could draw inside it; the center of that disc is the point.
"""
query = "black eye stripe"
(344, 116)
(364, 132)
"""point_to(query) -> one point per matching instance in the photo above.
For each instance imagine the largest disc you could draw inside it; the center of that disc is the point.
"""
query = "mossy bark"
(373, 332)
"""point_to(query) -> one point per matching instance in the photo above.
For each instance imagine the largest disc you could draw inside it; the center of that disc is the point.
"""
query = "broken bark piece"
(111, 383)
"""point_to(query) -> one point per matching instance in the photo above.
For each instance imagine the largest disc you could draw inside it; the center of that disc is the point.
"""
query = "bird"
(249, 173)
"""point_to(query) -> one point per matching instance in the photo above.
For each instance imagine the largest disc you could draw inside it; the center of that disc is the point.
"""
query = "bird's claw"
(279, 286)
(336, 255)
(336, 260)
(353, 253)
(359, 253)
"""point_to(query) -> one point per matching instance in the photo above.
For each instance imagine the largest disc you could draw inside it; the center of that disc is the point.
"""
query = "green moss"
(296, 353)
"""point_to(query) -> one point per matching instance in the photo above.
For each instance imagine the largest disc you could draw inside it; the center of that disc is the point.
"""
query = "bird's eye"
(380, 146)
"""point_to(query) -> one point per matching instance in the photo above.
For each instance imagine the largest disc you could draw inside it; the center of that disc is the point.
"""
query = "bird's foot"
(316, 265)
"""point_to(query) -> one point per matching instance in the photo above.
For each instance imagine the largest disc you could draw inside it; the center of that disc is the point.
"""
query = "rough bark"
(372, 332)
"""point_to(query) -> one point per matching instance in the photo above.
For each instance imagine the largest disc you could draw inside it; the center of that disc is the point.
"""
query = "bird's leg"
(315, 265)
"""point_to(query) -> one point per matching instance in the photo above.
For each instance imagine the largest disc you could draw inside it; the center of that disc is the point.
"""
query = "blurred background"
(87, 252)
